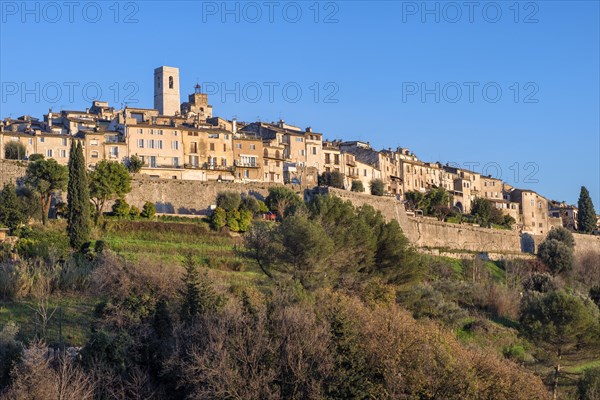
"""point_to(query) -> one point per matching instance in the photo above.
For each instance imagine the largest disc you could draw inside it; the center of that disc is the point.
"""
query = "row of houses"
(184, 141)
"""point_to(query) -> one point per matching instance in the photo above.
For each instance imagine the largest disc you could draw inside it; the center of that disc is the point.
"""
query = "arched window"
(170, 82)
(277, 154)
(266, 153)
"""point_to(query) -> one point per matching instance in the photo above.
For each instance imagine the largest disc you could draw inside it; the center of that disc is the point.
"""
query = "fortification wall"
(10, 171)
(195, 198)
(188, 197)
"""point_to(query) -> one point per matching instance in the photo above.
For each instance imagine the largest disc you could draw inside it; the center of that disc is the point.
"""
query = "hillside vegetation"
(327, 302)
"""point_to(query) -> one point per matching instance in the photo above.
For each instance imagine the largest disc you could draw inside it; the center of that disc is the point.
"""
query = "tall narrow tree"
(586, 217)
(78, 196)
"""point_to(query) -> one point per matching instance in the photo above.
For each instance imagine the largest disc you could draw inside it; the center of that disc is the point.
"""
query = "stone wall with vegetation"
(196, 198)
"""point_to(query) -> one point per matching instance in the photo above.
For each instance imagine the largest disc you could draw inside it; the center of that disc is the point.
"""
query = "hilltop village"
(185, 141)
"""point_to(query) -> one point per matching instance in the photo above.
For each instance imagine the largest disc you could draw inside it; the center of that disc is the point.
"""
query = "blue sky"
(510, 90)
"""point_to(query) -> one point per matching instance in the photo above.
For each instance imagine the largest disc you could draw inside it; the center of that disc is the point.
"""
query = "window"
(64, 141)
(265, 153)
(49, 152)
(174, 145)
(336, 159)
(42, 140)
(224, 147)
(314, 149)
(152, 161)
(193, 147)
(212, 147)
(327, 158)
(238, 145)
(63, 153)
(299, 139)
(141, 143)
(246, 173)
(140, 131)
(248, 160)
(94, 142)
(365, 174)
(170, 82)
(160, 131)
(223, 161)
(540, 205)
(302, 153)
(266, 162)
(213, 135)
(174, 133)
(151, 143)
(176, 162)
(114, 152)
(252, 147)
(160, 144)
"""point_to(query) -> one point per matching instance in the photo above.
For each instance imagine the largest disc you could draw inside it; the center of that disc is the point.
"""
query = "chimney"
(309, 129)
(50, 118)
(281, 123)
(234, 125)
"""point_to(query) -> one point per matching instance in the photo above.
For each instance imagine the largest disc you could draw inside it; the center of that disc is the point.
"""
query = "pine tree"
(586, 218)
(78, 196)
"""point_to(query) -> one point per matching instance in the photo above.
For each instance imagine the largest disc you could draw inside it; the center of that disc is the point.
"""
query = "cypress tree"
(78, 196)
(586, 217)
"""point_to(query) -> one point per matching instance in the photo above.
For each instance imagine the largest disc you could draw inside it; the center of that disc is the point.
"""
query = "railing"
(206, 166)
(246, 165)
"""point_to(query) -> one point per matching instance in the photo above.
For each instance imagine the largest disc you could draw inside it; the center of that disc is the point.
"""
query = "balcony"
(238, 163)
(210, 167)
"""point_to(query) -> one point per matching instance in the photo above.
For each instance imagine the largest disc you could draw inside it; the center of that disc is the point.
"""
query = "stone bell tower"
(166, 90)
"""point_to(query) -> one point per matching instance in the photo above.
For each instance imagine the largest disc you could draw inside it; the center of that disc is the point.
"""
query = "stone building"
(248, 158)
(533, 212)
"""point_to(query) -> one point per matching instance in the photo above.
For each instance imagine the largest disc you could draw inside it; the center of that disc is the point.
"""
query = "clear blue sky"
(372, 59)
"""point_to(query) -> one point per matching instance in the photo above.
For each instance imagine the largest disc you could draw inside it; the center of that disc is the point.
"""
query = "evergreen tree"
(198, 294)
(11, 214)
(586, 218)
(78, 196)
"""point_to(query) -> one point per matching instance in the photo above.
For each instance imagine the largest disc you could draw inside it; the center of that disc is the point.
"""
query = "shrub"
(219, 219)
(357, 186)
(14, 151)
(556, 255)
(333, 179)
(233, 218)
(149, 210)
(542, 283)
(245, 220)
(377, 187)
(134, 212)
(589, 384)
(120, 208)
(229, 200)
(562, 235)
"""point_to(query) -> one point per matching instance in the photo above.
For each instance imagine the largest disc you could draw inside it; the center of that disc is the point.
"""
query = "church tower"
(166, 90)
